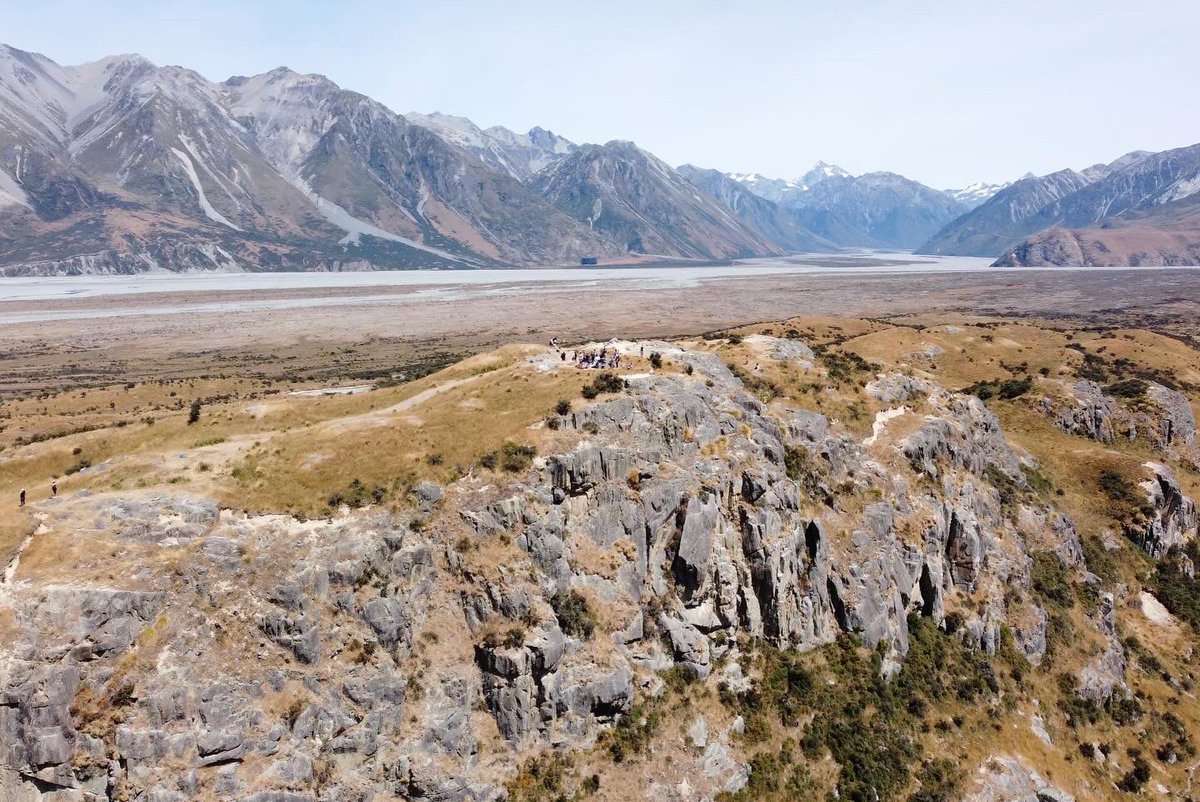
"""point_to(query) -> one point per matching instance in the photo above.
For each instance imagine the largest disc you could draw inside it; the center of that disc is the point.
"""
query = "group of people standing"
(604, 358)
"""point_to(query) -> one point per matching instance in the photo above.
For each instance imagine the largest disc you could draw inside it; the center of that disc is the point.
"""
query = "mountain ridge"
(121, 166)
(1063, 217)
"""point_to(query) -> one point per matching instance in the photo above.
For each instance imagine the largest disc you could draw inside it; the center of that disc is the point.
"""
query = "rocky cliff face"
(1163, 237)
(192, 652)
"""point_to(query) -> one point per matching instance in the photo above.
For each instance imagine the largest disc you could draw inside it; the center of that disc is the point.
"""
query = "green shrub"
(575, 616)
(1179, 592)
(1137, 776)
(194, 412)
(605, 382)
(1015, 388)
(845, 366)
(78, 466)
(1093, 368)
(356, 495)
(1117, 487)
(1051, 582)
(563, 407)
(1128, 388)
(516, 458)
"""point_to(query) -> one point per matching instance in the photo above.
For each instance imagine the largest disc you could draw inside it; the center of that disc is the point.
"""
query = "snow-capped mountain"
(1006, 216)
(876, 210)
(975, 194)
(780, 190)
(822, 171)
(773, 189)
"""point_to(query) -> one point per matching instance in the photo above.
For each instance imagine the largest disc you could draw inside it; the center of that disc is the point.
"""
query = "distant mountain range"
(122, 166)
(1142, 209)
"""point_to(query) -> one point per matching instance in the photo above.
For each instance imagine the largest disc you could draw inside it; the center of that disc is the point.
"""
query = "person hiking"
(53, 489)
(22, 504)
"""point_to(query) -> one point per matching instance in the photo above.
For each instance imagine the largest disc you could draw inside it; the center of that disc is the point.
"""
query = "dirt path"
(382, 417)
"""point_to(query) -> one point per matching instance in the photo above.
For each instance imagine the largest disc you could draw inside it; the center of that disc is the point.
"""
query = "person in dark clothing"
(53, 489)
(22, 497)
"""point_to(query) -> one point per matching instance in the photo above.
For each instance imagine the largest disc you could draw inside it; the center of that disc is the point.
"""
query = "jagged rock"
(895, 388)
(390, 620)
(299, 634)
(691, 648)
(700, 520)
(1176, 422)
(428, 495)
(1099, 679)
(220, 746)
(1090, 412)
(1174, 519)
(784, 350)
(1164, 415)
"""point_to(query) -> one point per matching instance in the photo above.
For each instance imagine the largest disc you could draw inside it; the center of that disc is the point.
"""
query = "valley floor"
(369, 331)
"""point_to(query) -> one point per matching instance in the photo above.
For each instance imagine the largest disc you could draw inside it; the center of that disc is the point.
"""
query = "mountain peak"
(822, 171)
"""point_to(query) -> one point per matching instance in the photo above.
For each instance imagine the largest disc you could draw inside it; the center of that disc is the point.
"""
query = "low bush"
(575, 616)
(603, 383)
(356, 495)
(1128, 388)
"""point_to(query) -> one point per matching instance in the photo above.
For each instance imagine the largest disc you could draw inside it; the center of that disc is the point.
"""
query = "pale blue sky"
(945, 92)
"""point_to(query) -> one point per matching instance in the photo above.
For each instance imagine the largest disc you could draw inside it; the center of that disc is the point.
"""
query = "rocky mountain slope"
(520, 155)
(1138, 210)
(737, 568)
(122, 166)
(769, 219)
(630, 196)
(874, 210)
(1008, 215)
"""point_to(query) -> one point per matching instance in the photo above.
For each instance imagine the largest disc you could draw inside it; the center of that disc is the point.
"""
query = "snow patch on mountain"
(973, 195)
(355, 228)
(209, 211)
(12, 193)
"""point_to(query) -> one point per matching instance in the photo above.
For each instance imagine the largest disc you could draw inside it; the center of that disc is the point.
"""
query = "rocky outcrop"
(423, 654)
(1161, 415)
(1004, 778)
(1171, 519)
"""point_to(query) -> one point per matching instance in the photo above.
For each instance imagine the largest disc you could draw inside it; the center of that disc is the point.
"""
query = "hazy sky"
(944, 91)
